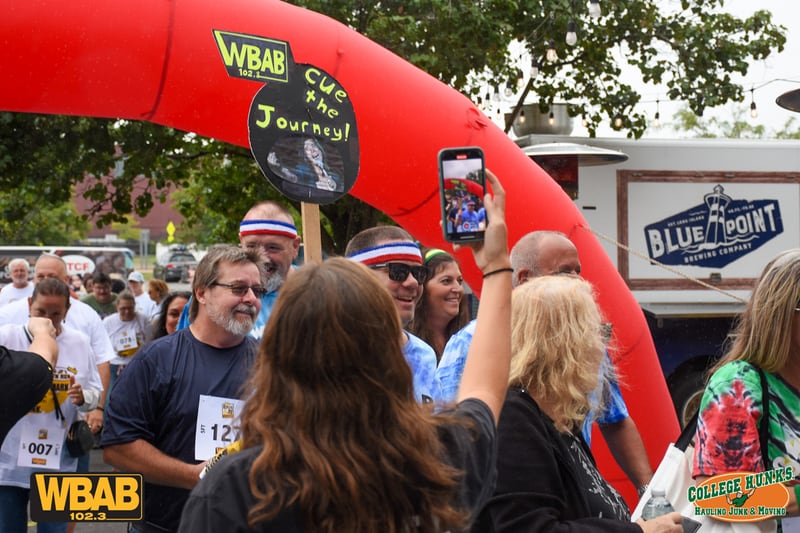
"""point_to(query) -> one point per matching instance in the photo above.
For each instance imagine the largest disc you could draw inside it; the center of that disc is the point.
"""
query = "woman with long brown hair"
(443, 308)
(333, 438)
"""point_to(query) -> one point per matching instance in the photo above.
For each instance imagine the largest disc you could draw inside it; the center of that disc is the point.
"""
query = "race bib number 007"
(40, 442)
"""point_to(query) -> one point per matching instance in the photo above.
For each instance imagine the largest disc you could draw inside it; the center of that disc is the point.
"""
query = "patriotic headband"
(385, 253)
(267, 227)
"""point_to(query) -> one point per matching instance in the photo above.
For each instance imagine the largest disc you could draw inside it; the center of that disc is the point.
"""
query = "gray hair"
(18, 261)
(208, 270)
(525, 254)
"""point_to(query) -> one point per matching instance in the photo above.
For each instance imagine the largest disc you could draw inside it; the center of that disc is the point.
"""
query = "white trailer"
(690, 224)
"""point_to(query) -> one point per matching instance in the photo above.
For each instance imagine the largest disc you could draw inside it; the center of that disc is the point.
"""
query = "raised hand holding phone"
(462, 187)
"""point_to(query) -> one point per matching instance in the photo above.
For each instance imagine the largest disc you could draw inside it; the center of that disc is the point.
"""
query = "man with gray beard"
(268, 228)
(178, 398)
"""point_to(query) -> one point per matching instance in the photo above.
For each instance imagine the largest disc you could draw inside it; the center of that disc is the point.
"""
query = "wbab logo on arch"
(743, 496)
(714, 233)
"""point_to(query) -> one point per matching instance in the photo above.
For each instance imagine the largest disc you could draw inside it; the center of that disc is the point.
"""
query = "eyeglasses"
(399, 272)
(241, 290)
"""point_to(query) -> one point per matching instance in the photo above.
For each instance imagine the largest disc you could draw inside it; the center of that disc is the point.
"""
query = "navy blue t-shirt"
(156, 399)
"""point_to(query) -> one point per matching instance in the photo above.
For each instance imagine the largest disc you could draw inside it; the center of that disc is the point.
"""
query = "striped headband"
(267, 227)
(433, 252)
(385, 253)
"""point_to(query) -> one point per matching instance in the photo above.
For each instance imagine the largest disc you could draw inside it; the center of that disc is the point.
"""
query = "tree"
(42, 156)
(737, 128)
(689, 46)
(25, 219)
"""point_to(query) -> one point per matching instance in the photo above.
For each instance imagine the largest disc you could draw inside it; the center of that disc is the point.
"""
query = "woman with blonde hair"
(765, 342)
(547, 478)
(333, 437)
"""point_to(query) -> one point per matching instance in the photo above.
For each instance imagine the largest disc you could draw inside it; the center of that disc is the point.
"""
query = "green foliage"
(689, 47)
(738, 127)
(26, 220)
(42, 156)
(790, 130)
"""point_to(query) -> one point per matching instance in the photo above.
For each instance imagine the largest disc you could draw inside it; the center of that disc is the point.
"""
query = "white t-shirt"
(10, 293)
(126, 337)
(80, 317)
(75, 359)
(146, 307)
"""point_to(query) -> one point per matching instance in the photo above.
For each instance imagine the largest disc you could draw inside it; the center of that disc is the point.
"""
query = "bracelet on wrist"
(100, 407)
(498, 271)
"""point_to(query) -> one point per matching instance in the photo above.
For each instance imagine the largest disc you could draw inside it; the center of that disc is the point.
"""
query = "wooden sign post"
(312, 242)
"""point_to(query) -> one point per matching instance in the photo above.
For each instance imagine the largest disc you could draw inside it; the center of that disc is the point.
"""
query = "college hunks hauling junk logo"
(714, 233)
(743, 496)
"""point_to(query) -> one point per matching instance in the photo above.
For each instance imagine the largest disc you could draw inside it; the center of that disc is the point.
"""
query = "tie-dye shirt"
(422, 360)
(730, 414)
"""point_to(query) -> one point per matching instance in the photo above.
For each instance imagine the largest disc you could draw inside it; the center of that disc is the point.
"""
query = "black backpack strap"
(59, 414)
(687, 435)
(763, 426)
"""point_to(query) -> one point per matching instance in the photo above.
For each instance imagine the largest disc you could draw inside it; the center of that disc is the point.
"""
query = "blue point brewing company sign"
(714, 233)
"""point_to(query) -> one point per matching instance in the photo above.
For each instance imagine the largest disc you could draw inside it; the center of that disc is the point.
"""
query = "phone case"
(462, 185)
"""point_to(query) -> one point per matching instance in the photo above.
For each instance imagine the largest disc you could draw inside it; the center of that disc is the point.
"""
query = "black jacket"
(544, 486)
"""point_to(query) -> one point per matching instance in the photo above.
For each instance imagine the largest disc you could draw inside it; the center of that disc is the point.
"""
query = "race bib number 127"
(217, 425)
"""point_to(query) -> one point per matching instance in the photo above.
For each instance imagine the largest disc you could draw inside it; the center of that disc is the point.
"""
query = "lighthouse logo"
(714, 233)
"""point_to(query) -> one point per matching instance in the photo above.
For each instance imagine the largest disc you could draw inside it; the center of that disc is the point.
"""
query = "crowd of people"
(464, 213)
(97, 329)
(358, 394)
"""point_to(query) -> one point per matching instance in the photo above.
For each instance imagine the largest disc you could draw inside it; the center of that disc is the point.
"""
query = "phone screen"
(462, 186)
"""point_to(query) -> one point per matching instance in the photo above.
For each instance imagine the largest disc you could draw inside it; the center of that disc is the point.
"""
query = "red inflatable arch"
(157, 60)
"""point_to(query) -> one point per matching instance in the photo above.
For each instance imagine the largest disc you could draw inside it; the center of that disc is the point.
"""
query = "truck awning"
(693, 310)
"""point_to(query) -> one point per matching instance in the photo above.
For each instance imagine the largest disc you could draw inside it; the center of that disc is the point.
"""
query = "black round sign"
(303, 135)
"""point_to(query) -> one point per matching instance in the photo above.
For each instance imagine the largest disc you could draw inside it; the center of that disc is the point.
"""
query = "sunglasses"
(241, 290)
(399, 272)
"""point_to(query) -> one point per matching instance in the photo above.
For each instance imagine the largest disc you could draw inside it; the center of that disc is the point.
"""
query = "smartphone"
(689, 525)
(462, 186)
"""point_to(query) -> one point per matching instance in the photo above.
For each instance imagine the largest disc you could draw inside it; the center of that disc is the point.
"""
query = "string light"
(572, 37)
(619, 119)
(753, 106)
(594, 8)
(551, 54)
